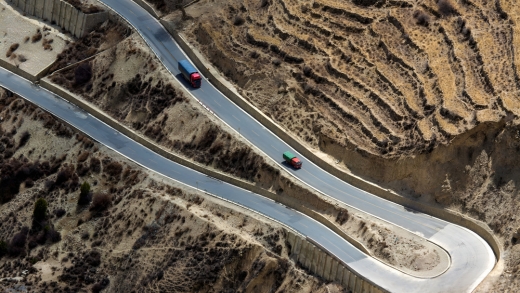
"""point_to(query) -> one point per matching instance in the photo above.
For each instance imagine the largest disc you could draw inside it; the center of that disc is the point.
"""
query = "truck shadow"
(289, 166)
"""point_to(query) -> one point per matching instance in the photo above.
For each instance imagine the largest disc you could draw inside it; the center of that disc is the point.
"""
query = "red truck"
(190, 73)
(292, 160)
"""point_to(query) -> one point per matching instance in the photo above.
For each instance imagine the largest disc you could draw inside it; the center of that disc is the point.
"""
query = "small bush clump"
(40, 210)
(254, 55)
(95, 165)
(11, 49)
(101, 201)
(113, 169)
(84, 196)
(421, 18)
(342, 217)
(53, 235)
(46, 43)
(239, 20)
(83, 156)
(24, 138)
(60, 213)
(4, 249)
(98, 287)
(445, 7)
(36, 37)
(17, 245)
(82, 74)
(22, 58)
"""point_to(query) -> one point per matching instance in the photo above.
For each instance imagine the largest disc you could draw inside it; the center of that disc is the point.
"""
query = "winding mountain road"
(471, 257)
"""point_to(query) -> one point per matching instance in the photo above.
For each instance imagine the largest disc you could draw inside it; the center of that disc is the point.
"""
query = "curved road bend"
(471, 266)
(379, 273)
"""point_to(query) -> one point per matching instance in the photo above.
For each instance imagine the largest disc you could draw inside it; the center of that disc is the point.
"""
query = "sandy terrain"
(38, 44)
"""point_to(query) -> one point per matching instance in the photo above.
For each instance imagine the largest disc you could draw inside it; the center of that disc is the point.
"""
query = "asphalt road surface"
(470, 267)
(472, 259)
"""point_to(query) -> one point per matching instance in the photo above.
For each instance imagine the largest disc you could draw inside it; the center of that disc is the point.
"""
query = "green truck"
(292, 160)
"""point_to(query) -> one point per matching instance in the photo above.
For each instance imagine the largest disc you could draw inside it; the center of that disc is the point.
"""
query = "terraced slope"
(388, 78)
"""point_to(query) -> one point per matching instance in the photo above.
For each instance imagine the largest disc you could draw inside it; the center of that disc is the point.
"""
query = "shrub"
(113, 169)
(53, 236)
(24, 138)
(64, 175)
(82, 74)
(85, 188)
(83, 156)
(17, 244)
(101, 201)
(307, 71)
(342, 217)
(421, 18)
(82, 169)
(239, 20)
(277, 62)
(46, 43)
(36, 37)
(60, 213)
(40, 209)
(41, 237)
(22, 58)
(11, 49)
(95, 165)
(254, 55)
(93, 258)
(3, 248)
(445, 7)
(84, 196)
(29, 183)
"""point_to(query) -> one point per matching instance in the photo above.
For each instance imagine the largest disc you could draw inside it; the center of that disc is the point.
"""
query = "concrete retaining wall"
(62, 14)
(476, 226)
(18, 71)
(314, 258)
(149, 8)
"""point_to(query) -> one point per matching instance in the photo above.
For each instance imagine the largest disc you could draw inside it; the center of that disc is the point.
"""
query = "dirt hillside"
(129, 84)
(420, 97)
(391, 78)
(132, 231)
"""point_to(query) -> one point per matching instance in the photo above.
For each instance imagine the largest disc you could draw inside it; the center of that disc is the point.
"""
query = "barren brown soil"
(366, 75)
(147, 235)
